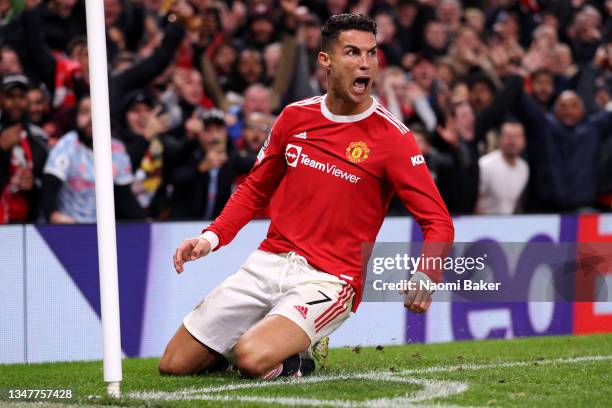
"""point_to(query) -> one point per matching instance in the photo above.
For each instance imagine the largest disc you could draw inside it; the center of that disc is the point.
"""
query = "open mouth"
(360, 85)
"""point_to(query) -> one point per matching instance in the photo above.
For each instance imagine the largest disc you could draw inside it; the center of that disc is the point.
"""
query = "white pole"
(107, 246)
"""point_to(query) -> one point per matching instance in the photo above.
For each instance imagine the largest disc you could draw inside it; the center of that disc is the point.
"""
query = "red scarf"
(14, 204)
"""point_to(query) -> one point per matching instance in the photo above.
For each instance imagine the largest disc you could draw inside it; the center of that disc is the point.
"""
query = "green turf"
(537, 383)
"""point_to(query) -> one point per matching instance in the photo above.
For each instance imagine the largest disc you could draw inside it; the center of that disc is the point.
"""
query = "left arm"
(412, 182)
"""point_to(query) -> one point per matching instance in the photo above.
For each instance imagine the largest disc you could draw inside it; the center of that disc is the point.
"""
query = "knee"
(251, 363)
(172, 365)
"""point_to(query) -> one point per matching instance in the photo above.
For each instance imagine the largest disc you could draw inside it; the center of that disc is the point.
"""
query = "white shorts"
(270, 284)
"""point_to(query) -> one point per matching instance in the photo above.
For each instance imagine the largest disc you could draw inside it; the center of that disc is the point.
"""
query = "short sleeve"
(58, 162)
(122, 167)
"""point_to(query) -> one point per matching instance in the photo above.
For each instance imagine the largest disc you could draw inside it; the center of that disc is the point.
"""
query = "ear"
(324, 59)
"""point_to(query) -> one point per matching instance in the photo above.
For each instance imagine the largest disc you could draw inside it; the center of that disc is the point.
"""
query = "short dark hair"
(343, 22)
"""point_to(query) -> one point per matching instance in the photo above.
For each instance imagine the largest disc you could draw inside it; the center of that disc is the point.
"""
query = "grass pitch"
(529, 372)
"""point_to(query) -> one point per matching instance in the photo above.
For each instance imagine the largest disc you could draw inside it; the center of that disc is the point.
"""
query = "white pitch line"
(431, 388)
(444, 369)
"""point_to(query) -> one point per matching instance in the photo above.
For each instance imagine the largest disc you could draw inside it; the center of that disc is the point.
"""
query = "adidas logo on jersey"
(301, 135)
(303, 310)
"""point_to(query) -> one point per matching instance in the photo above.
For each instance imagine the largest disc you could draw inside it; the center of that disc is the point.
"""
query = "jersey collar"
(347, 119)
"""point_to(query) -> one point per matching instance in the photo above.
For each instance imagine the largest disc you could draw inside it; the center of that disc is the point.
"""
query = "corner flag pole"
(105, 207)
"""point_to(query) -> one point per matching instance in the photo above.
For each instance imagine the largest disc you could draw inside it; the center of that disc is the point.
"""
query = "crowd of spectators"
(509, 100)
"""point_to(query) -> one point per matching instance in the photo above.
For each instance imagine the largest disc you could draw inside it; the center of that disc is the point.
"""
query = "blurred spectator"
(563, 150)
(142, 134)
(436, 39)
(23, 152)
(458, 135)
(255, 132)
(69, 182)
(390, 50)
(184, 96)
(39, 106)
(249, 69)
(63, 20)
(257, 98)
(481, 89)
(505, 164)
(543, 88)
(9, 61)
(203, 181)
(404, 98)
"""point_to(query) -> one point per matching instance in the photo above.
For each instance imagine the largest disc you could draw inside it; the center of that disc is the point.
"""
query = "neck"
(511, 160)
(338, 106)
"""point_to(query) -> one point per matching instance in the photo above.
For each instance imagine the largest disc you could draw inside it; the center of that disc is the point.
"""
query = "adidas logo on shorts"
(302, 310)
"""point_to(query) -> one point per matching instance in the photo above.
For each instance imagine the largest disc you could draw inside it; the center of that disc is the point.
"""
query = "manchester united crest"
(357, 152)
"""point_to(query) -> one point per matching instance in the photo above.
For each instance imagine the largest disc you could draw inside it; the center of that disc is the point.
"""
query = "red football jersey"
(330, 179)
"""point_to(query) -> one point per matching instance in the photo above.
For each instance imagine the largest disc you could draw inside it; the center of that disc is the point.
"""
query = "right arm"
(250, 198)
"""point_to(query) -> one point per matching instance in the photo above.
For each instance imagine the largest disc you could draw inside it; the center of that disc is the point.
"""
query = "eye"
(351, 52)
(372, 53)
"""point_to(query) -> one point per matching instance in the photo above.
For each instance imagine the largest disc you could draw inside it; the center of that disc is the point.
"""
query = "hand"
(183, 10)
(194, 126)
(449, 133)
(156, 125)
(408, 60)
(26, 180)
(10, 137)
(601, 57)
(417, 301)
(213, 160)
(190, 250)
(61, 218)
(414, 91)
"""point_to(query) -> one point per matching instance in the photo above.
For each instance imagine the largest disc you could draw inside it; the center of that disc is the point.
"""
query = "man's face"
(137, 117)
(64, 7)
(465, 120)
(262, 30)
(257, 99)
(421, 141)
(9, 62)
(543, 87)
(385, 27)
(224, 58)
(112, 11)
(83, 119)
(255, 132)
(512, 139)
(189, 85)
(435, 35)
(351, 64)
(424, 73)
(312, 36)
(214, 136)
(249, 66)
(38, 105)
(481, 96)
(15, 103)
(569, 109)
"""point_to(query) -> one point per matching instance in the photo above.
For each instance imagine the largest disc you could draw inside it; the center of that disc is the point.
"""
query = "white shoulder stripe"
(308, 101)
(390, 121)
(403, 130)
(392, 117)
